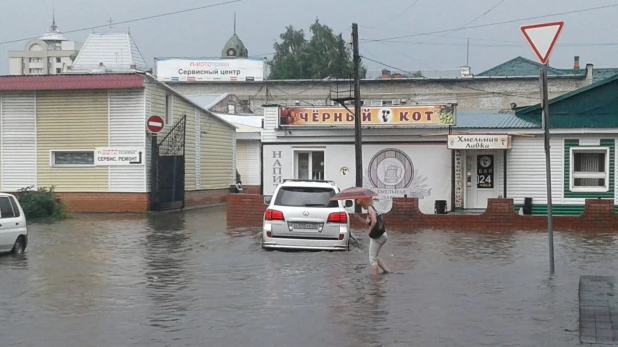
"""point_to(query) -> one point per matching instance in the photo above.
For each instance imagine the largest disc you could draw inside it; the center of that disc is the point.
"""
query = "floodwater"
(182, 280)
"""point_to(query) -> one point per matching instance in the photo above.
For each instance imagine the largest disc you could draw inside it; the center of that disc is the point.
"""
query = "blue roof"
(207, 101)
(491, 119)
(521, 66)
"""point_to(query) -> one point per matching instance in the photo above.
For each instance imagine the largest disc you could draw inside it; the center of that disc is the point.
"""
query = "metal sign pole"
(545, 122)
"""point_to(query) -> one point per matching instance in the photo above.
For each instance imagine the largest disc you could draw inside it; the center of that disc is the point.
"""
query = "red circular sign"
(155, 124)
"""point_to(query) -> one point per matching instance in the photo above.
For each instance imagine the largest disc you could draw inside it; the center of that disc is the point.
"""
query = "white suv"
(13, 229)
(300, 215)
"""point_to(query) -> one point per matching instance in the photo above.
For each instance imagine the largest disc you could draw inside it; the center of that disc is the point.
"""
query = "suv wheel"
(19, 246)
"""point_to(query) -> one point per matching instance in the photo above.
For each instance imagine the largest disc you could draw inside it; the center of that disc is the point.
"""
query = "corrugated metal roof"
(491, 119)
(207, 101)
(72, 82)
(117, 51)
(603, 73)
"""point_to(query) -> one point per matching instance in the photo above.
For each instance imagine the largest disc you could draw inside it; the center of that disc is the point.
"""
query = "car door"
(9, 224)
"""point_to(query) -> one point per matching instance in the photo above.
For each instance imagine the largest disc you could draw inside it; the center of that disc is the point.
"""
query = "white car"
(13, 228)
(300, 215)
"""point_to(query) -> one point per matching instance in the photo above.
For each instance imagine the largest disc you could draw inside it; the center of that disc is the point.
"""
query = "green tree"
(324, 55)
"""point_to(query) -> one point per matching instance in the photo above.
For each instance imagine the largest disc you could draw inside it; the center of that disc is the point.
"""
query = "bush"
(41, 204)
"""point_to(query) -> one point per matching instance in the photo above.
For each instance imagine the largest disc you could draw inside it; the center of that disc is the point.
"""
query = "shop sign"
(485, 171)
(443, 115)
(104, 156)
(210, 69)
(277, 173)
(479, 142)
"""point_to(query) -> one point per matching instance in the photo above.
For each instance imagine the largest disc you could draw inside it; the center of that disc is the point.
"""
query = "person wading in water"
(377, 234)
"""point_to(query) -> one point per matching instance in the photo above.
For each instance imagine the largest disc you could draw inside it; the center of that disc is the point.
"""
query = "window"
(231, 108)
(310, 165)
(168, 109)
(73, 158)
(15, 206)
(36, 60)
(305, 197)
(387, 103)
(6, 209)
(58, 70)
(58, 60)
(589, 169)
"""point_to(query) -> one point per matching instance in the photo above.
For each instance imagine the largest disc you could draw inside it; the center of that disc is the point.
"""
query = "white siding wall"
(19, 162)
(147, 140)
(270, 124)
(126, 129)
(526, 170)
(248, 161)
(234, 161)
(198, 141)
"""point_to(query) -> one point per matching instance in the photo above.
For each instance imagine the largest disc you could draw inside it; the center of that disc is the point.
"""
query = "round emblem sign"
(344, 171)
(485, 161)
(391, 169)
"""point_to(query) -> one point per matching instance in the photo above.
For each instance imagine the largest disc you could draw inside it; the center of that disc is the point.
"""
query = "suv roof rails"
(301, 180)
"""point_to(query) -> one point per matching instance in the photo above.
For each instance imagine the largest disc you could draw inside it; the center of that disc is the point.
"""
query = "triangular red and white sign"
(542, 38)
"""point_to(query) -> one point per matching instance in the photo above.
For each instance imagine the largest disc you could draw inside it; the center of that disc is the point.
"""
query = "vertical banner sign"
(485, 171)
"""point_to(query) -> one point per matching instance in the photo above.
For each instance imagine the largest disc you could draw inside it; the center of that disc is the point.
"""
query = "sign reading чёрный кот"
(119, 156)
(479, 142)
(370, 116)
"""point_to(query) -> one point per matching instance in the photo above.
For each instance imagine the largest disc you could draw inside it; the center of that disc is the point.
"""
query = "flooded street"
(182, 280)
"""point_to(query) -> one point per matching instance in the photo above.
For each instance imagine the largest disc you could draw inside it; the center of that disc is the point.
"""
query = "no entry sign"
(155, 124)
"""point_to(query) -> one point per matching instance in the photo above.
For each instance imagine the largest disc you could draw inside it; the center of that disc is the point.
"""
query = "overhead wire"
(492, 24)
(166, 14)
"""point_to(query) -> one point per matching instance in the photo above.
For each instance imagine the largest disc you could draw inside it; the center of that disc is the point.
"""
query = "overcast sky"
(201, 33)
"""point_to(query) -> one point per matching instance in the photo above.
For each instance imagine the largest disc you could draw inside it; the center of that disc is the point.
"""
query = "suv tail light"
(273, 215)
(338, 217)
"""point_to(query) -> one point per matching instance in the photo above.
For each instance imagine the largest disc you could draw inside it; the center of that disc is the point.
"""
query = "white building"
(50, 54)
(401, 155)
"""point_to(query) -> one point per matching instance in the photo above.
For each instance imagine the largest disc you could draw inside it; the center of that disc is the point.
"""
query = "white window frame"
(574, 175)
(310, 168)
(52, 158)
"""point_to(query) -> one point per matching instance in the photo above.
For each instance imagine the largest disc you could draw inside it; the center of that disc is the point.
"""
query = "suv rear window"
(305, 197)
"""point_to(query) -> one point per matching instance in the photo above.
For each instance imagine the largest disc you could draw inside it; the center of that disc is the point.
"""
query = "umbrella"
(354, 193)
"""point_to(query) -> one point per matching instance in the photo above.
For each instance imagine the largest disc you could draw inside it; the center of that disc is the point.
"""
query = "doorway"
(309, 165)
(481, 177)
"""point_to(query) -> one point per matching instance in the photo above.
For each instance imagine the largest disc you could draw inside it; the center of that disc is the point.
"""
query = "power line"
(401, 13)
(482, 15)
(133, 20)
(493, 24)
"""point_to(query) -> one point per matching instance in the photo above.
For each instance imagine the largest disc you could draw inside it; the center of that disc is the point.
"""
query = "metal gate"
(168, 169)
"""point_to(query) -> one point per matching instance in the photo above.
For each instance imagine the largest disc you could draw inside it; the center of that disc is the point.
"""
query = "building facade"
(86, 136)
(51, 54)
(401, 155)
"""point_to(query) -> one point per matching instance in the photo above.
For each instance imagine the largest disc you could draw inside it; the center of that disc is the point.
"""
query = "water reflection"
(166, 276)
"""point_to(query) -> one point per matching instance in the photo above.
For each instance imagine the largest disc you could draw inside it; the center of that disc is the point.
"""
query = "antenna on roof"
(234, 22)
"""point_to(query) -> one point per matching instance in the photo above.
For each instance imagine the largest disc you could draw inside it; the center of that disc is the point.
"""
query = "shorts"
(374, 248)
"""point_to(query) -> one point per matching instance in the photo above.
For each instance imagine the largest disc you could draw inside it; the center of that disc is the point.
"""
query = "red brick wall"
(105, 202)
(246, 210)
(206, 197)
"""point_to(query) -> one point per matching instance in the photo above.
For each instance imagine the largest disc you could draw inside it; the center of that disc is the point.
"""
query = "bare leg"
(383, 266)
(374, 270)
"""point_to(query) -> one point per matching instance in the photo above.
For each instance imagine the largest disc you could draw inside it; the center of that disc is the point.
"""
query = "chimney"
(576, 62)
(386, 74)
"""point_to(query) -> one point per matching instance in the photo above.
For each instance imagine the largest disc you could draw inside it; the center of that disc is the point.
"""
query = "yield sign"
(542, 38)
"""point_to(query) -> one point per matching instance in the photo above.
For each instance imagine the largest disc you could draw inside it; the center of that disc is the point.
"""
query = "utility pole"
(358, 149)
(545, 123)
